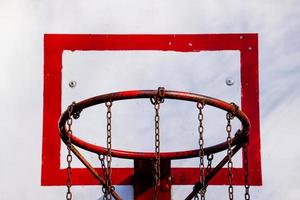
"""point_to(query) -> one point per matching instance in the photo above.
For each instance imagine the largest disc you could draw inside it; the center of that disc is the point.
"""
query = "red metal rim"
(240, 137)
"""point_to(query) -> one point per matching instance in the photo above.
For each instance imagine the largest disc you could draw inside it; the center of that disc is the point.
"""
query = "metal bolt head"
(72, 84)
(229, 81)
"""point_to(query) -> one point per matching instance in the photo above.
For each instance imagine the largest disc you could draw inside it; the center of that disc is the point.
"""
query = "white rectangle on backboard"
(100, 72)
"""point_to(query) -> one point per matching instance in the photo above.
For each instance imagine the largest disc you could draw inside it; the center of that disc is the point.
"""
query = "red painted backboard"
(56, 44)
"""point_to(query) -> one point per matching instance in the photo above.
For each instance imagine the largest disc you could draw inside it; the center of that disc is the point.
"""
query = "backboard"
(76, 67)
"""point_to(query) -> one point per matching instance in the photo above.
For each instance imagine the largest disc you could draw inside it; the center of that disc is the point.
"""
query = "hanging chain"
(69, 155)
(108, 188)
(157, 151)
(245, 159)
(156, 102)
(229, 117)
(201, 151)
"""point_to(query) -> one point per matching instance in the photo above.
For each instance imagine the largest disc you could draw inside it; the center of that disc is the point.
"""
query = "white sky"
(23, 24)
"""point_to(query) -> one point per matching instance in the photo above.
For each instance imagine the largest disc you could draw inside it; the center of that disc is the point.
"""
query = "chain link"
(201, 150)
(196, 197)
(210, 158)
(69, 155)
(246, 170)
(229, 117)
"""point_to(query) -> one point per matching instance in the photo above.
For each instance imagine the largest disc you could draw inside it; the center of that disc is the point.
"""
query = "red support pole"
(143, 179)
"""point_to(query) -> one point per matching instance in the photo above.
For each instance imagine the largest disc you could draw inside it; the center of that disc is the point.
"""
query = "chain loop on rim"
(200, 107)
(69, 155)
(159, 97)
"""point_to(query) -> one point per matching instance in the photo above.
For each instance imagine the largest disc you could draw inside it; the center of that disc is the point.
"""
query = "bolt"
(72, 84)
(229, 81)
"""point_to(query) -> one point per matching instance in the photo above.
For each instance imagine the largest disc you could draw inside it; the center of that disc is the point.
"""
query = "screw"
(72, 84)
(229, 81)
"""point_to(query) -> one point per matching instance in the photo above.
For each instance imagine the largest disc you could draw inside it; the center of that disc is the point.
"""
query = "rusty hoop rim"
(240, 137)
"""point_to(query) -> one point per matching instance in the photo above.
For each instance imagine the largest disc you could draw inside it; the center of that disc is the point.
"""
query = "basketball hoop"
(157, 97)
